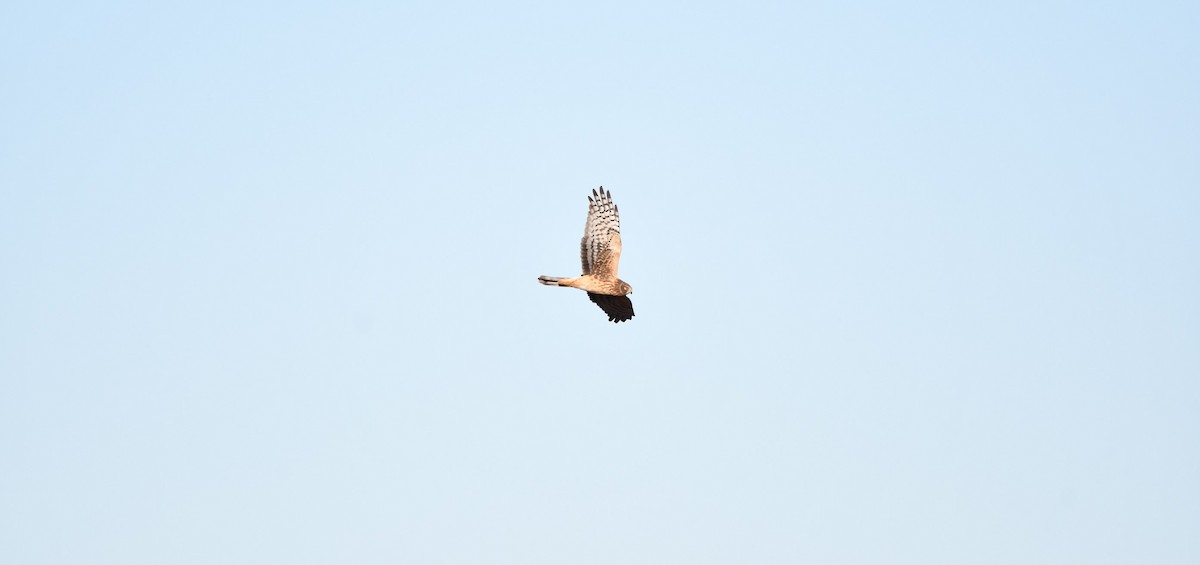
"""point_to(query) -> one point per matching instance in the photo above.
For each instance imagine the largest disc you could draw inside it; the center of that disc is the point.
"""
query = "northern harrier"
(600, 251)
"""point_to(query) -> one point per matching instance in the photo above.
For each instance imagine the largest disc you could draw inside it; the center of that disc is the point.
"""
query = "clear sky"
(914, 283)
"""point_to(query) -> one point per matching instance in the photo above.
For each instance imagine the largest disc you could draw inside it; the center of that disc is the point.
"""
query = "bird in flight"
(600, 251)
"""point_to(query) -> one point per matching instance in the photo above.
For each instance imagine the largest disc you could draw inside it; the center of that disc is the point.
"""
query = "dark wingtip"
(594, 192)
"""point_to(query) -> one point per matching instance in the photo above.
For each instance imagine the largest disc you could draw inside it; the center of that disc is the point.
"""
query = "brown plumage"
(600, 253)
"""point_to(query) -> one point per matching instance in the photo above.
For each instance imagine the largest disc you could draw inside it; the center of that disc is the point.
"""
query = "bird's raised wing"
(600, 248)
(618, 308)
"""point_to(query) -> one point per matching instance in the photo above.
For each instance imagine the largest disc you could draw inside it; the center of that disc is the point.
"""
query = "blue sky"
(915, 283)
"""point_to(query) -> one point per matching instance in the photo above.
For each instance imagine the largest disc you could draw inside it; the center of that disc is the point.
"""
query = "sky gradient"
(914, 284)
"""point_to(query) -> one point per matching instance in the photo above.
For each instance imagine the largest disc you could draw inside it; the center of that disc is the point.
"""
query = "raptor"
(600, 252)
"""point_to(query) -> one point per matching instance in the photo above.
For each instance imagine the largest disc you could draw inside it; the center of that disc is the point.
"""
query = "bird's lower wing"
(618, 308)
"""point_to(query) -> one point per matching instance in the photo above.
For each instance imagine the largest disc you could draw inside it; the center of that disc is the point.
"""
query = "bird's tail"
(549, 281)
